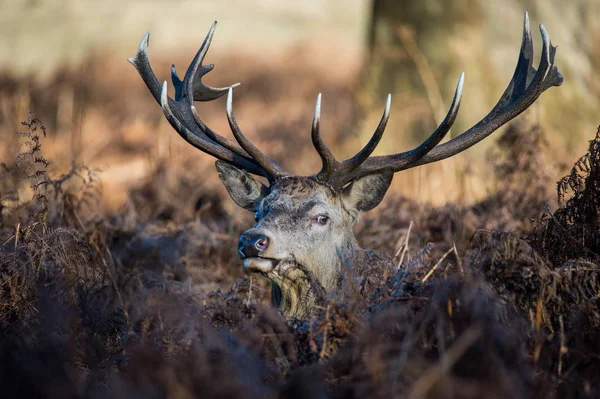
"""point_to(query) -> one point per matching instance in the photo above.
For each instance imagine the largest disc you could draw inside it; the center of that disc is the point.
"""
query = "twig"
(434, 268)
(563, 347)
(403, 238)
(404, 245)
(17, 235)
(538, 325)
(460, 266)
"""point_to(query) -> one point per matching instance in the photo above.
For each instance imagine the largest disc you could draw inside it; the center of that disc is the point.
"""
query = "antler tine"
(192, 88)
(179, 111)
(274, 170)
(404, 160)
(525, 87)
(192, 82)
(324, 152)
(177, 83)
(224, 141)
(352, 167)
(199, 142)
(438, 135)
(142, 64)
(332, 167)
(355, 161)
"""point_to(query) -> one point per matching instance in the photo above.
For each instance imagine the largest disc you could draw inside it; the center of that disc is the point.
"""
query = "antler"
(526, 85)
(183, 116)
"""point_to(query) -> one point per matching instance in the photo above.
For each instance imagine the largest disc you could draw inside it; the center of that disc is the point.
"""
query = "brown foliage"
(151, 301)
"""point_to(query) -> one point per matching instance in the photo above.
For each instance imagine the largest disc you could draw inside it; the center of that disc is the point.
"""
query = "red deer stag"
(303, 232)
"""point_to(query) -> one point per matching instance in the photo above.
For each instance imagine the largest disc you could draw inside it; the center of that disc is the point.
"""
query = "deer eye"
(322, 219)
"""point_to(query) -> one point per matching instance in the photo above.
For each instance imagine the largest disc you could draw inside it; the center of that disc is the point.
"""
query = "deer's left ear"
(366, 192)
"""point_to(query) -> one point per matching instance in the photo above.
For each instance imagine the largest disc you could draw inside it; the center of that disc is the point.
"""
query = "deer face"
(300, 220)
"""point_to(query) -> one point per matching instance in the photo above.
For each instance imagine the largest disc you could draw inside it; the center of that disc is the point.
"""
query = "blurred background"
(66, 60)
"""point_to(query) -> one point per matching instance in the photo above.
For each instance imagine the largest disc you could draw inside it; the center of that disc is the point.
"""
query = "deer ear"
(365, 193)
(245, 191)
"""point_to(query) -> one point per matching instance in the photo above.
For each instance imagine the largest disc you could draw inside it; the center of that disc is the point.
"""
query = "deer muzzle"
(252, 245)
(251, 249)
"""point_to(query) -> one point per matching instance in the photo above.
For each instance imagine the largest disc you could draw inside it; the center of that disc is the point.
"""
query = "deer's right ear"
(366, 192)
(245, 191)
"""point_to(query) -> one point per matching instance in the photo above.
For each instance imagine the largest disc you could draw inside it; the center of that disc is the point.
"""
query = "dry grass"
(499, 297)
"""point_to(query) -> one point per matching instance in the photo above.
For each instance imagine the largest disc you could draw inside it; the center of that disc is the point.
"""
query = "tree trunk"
(408, 55)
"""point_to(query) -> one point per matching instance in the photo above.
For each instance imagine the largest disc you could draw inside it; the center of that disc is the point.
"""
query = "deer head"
(304, 223)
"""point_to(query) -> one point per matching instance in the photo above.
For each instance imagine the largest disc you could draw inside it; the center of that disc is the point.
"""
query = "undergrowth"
(498, 299)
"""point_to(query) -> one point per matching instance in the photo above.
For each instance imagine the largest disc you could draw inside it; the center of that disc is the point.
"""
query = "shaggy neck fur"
(294, 290)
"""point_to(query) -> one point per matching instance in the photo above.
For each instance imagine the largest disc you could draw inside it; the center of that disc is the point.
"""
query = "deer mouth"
(261, 265)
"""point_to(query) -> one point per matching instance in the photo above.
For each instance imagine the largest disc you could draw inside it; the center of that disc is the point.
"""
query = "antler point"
(229, 102)
(317, 114)
(144, 42)
(526, 25)
(164, 98)
(459, 87)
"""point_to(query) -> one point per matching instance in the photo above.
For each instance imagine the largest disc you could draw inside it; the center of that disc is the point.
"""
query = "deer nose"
(251, 245)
